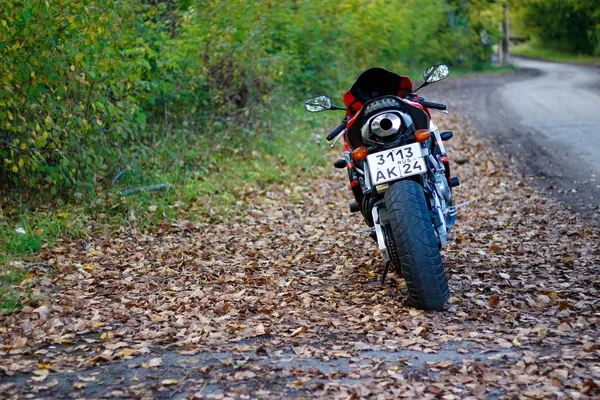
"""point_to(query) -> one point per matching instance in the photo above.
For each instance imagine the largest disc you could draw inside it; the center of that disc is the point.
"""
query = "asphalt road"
(563, 104)
(545, 117)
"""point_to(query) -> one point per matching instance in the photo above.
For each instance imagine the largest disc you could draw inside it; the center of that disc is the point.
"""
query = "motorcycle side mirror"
(432, 74)
(318, 103)
(436, 73)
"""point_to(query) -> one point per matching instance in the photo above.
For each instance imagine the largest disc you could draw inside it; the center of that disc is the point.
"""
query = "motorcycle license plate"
(396, 163)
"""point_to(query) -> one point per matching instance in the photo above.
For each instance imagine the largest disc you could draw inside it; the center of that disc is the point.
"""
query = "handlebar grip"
(437, 106)
(336, 132)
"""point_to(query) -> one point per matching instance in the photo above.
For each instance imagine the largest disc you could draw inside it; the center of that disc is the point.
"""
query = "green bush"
(81, 80)
(570, 26)
(69, 91)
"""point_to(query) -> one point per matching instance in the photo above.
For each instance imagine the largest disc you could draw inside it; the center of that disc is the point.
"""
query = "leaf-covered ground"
(283, 301)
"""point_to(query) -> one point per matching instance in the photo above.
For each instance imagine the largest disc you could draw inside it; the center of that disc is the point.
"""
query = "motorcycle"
(399, 175)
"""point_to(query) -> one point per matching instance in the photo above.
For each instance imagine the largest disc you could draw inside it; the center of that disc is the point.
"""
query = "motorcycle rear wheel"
(416, 244)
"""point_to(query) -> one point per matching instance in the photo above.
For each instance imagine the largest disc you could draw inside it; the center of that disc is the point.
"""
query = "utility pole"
(505, 31)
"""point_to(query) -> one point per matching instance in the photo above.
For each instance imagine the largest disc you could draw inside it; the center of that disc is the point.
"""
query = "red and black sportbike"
(399, 175)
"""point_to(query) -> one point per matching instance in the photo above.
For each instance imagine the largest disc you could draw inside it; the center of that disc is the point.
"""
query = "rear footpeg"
(370, 232)
(446, 135)
(341, 163)
(453, 213)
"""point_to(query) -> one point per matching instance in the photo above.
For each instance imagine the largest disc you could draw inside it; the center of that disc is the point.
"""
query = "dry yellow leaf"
(126, 352)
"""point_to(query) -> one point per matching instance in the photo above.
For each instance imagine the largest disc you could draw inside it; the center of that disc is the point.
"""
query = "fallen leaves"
(494, 300)
(299, 331)
(44, 312)
(289, 280)
(18, 341)
(41, 374)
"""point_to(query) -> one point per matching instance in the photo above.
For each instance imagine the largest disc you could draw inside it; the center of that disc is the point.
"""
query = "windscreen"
(376, 82)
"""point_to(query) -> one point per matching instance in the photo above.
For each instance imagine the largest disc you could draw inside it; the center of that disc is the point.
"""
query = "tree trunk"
(506, 39)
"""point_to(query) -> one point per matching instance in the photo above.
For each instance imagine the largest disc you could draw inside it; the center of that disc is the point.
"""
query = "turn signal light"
(422, 135)
(359, 153)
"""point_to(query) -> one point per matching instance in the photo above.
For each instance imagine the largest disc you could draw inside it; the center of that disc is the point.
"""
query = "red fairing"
(372, 83)
(352, 105)
(346, 145)
(352, 120)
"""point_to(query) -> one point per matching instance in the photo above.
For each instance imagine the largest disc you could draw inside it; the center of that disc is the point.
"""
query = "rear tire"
(416, 244)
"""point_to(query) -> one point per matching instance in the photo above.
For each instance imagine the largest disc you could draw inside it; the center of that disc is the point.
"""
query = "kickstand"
(385, 271)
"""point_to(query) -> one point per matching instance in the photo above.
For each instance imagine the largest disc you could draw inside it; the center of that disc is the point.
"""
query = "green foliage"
(474, 27)
(68, 91)
(80, 80)
(570, 26)
(10, 297)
